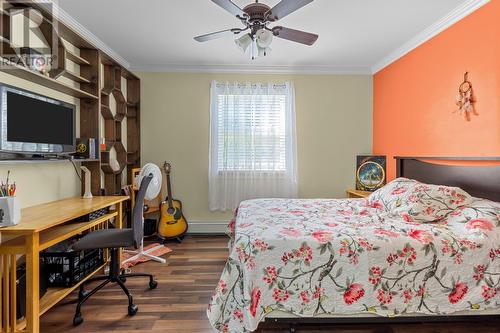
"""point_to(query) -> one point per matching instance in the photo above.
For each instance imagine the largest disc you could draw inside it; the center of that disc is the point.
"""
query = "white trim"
(453, 17)
(74, 25)
(318, 70)
(207, 227)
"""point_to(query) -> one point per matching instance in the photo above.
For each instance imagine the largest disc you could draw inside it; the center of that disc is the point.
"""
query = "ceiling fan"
(256, 18)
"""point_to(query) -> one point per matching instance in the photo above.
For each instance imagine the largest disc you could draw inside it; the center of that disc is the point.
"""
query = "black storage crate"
(94, 215)
(21, 287)
(65, 269)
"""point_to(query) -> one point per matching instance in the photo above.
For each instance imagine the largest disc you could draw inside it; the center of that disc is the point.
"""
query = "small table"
(357, 193)
(40, 227)
(153, 205)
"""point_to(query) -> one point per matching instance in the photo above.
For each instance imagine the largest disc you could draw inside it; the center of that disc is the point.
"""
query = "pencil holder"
(10, 211)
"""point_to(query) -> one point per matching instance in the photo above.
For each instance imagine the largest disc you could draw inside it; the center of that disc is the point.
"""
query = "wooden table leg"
(119, 225)
(32, 283)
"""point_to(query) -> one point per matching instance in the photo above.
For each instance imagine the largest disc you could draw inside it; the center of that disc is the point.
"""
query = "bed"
(326, 259)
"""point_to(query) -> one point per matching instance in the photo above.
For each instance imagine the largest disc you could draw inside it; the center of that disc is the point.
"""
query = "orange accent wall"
(414, 97)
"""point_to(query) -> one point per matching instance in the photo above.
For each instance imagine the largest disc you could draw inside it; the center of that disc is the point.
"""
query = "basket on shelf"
(67, 268)
(94, 215)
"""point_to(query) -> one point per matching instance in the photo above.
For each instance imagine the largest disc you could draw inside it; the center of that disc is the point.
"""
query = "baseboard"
(208, 227)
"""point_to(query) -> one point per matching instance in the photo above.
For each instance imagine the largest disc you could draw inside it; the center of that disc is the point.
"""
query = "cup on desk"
(10, 211)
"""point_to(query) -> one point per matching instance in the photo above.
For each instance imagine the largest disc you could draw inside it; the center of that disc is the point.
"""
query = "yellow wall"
(334, 123)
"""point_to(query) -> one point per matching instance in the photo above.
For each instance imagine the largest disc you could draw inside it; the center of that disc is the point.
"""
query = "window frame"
(279, 173)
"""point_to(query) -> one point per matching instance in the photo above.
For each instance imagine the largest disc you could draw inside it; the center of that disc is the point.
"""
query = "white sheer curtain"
(253, 150)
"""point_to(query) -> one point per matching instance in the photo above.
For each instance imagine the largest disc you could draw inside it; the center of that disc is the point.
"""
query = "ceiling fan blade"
(284, 8)
(295, 35)
(230, 7)
(218, 34)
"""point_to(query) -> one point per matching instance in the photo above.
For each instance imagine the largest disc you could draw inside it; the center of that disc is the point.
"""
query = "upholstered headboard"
(478, 176)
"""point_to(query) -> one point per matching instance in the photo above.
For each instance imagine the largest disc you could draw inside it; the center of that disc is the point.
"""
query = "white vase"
(10, 211)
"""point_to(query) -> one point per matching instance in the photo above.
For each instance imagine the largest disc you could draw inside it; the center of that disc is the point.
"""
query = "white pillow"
(417, 202)
(433, 203)
(390, 197)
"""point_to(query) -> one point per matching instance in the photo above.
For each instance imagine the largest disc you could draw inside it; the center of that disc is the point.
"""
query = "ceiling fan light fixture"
(264, 38)
(244, 42)
(256, 18)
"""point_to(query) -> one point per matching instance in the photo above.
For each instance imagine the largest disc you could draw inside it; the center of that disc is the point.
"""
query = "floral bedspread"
(312, 257)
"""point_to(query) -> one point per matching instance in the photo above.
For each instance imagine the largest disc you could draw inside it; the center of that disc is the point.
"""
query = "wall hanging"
(465, 99)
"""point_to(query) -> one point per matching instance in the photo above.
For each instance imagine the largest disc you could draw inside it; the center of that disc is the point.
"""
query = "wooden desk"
(40, 227)
(357, 193)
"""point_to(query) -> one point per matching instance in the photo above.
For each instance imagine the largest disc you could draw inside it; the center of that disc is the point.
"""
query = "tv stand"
(37, 158)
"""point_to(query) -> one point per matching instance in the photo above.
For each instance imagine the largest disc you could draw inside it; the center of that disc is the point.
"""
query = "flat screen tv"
(33, 124)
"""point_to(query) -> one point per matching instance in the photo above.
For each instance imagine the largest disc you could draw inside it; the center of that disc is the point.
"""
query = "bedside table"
(357, 194)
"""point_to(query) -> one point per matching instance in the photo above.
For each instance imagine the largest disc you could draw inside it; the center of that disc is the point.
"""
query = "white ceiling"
(355, 35)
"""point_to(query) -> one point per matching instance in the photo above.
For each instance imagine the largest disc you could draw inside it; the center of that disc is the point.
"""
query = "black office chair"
(115, 239)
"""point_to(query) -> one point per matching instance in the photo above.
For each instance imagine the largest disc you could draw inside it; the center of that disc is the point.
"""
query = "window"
(252, 139)
(251, 132)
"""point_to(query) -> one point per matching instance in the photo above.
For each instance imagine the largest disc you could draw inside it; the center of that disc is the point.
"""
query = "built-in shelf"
(94, 65)
(106, 167)
(76, 58)
(75, 77)
(34, 77)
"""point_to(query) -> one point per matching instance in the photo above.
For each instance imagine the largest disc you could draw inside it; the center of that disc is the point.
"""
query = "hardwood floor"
(179, 303)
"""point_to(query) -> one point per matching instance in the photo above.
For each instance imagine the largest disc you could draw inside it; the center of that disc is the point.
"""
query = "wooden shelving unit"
(126, 111)
(84, 84)
(35, 77)
(76, 58)
(75, 77)
(94, 67)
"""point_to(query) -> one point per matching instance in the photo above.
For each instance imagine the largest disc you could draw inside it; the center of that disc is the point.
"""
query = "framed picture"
(370, 172)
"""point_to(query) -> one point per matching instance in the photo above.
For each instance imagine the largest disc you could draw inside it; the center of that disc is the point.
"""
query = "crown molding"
(451, 18)
(66, 19)
(447, 21)
(251, 69)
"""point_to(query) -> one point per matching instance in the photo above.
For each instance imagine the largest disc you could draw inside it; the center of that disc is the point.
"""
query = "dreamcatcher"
(465, 99)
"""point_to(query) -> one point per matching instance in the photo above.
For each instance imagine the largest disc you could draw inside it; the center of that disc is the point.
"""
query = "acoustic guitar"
(172, 223)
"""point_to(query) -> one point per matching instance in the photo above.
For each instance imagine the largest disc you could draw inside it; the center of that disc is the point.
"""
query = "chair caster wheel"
(132, 309)
(153, 284)
(78, 319)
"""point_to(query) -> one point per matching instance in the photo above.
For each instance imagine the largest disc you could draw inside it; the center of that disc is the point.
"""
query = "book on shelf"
(86, 148)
